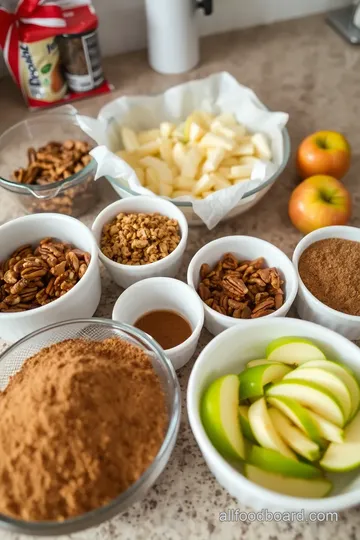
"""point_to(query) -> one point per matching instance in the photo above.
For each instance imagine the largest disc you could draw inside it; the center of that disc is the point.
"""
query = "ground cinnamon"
(329, 268)
(79, 423)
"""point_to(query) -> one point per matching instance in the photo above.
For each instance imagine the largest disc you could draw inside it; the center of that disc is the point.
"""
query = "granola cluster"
(135, 239)
(32, 277)
(241, 289)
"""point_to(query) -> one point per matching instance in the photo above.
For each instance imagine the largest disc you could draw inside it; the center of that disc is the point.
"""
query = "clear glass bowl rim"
(270, 181)
(99, 515)
(61, 185)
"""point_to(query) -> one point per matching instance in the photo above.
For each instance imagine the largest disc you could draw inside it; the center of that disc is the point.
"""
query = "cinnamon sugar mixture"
(79, 423)
(330, 269)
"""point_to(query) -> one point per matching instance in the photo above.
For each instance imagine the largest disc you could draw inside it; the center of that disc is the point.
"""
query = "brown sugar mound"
(79, 423)
(329, 268)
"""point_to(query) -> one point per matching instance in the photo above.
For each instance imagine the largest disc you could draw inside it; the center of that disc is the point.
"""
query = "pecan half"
(243, 289)
(235, 287)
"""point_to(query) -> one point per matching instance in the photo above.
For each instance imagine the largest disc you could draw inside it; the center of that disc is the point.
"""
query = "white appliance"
(346, 21)
(173, 38)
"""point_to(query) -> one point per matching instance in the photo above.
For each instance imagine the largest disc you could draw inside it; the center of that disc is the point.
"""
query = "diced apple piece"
(241, 171)
(214, 158)
(162, 169)
(129, 139)
(165, 190)
(150, 135)
(244, 149)
(166, 129)
(166, 151)
(179, 154)
(262, 146)
(191, 162)
(220, 181)
(149, 148)
(205, 183)
(309, 488)
(210, 140)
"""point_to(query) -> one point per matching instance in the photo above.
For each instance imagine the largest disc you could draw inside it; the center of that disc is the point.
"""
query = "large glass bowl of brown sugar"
(89, 415)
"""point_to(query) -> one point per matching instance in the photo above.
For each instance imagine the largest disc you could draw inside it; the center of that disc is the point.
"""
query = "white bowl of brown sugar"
(328, 261)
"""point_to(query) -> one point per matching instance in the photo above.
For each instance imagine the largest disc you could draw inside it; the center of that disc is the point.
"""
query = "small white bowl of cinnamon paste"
(328, 261)
(168, 310)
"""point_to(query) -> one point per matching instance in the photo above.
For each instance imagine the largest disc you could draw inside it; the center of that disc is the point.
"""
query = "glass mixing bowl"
(93, 330)
(73, 196)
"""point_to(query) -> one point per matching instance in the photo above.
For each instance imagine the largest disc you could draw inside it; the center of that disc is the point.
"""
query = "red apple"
(318, 202)
(324, 152)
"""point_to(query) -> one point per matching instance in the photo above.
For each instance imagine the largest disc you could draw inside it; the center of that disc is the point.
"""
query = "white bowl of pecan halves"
(242, 278)
(49, 272)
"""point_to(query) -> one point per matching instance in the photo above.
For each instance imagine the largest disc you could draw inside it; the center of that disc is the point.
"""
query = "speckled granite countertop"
(301, 67)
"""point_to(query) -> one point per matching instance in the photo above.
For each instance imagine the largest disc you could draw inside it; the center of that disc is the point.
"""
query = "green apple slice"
(346, 456)
(327, 429)
(344, 374)
(293, 436)
(220, 417)
(313, 488)
(263, 430)
(293, 350)
(298, 415)
(245, 424)
(273, 461)
(329, 382)
(310, 395)
(253, 380)
(260, 362)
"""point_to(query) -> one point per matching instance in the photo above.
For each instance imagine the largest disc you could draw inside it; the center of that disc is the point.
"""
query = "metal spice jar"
(81, 59)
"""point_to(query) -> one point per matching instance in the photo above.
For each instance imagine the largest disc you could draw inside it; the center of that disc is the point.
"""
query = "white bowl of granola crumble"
(244, 248)
(127, 274)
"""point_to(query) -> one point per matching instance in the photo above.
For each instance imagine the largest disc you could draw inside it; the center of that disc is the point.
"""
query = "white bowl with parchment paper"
(216, 94)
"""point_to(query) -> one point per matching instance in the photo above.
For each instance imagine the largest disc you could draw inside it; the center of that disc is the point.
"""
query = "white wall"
(123, 26)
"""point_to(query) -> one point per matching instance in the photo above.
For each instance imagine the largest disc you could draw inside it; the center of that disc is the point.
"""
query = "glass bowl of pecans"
(240, 279)
(46, 166)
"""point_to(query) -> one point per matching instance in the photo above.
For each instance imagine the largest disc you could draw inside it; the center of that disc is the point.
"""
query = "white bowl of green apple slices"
(274, 408)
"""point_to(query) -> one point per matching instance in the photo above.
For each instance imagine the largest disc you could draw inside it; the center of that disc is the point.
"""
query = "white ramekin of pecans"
(49, 272)
(242, 278)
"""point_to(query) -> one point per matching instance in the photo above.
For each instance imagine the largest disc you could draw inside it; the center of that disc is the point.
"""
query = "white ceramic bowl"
(125, 275)
(169, 294)
(245, 248)
(235, 347)
(80, 302)
(309, 307)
